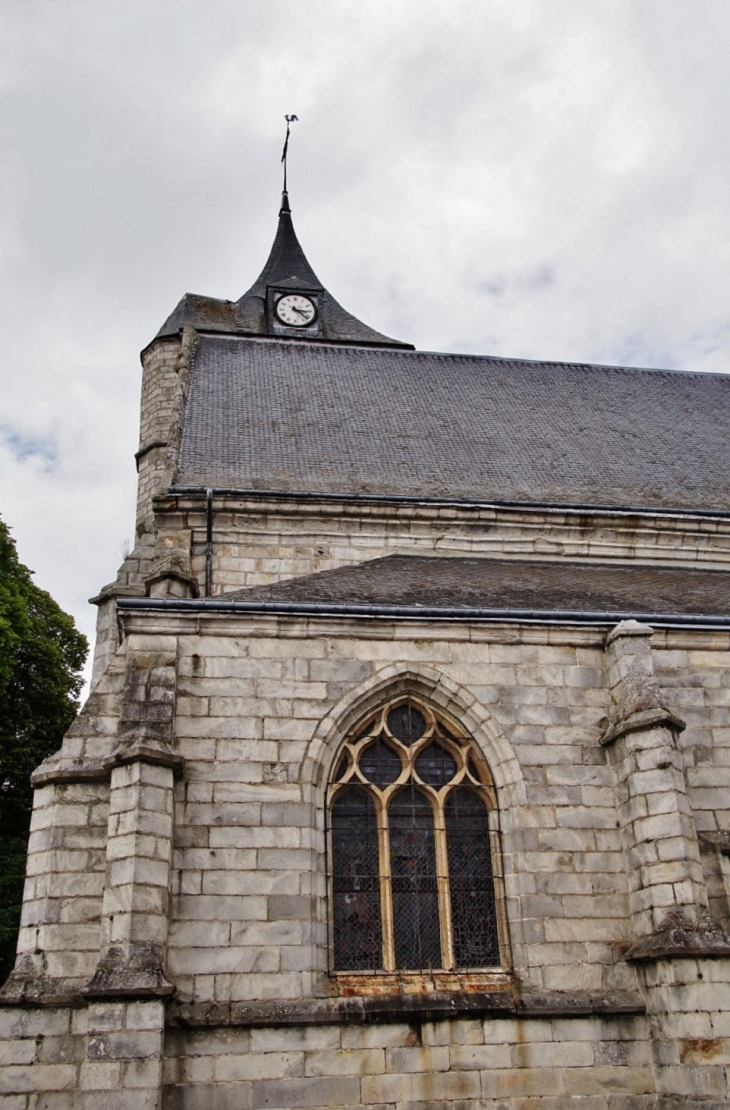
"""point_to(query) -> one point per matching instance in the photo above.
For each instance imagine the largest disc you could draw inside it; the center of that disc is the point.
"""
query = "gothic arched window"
(413, 847)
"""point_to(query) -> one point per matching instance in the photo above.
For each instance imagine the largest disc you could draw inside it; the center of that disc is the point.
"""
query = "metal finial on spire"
(289, 121)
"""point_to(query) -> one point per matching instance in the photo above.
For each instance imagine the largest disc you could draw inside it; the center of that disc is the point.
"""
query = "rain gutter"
(445, 502)
(325, 609)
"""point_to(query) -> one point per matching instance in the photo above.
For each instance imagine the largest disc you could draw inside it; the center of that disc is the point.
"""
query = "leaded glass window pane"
(435, 766)
(406, 723)
(356, 882)
(471, 883)
(379, 764)
(415, 892)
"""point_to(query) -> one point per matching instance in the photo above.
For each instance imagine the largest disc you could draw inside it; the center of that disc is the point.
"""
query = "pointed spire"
(286, 270)
(286, 263)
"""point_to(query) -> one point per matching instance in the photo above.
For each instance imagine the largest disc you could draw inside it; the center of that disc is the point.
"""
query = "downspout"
(208, 542)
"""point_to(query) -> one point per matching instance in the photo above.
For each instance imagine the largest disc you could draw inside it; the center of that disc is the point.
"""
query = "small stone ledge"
(135, 974)
(644, 718)
(128, 983)
(139, 749)
(578, 1003)
(171, 577)
(117, 589)
(143, 748)
(679, 938)
(65, 769)
(20, 990)
(373, 1009)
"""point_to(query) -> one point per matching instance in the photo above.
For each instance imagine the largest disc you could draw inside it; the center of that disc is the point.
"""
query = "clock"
(295, 310)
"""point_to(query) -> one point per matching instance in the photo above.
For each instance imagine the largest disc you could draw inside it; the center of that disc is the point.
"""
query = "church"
(403, 778)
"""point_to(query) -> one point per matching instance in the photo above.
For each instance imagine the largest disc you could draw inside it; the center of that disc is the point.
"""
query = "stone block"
(142, 1075)
(68, 1049)
(283, 1094)
(221, 1096)
(100, 1075)
(309, 1038)
(123, 1100)
(20, 1102)
(126, 1044)
(255, 836)
(515, 1083)
(424, 1058)
(236, 907)
(477, 1057)
(618, 1080)
(17, 1052)
(19, 1078)
(420, 1087)
(47, 1022)
(258, 1066)
(343, 1061)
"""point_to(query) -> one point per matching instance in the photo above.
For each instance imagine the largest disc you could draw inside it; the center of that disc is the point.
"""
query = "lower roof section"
(433, 582)
(424, 587)
(264, 414)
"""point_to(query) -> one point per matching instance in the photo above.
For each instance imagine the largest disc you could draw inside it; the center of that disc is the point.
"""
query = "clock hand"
(302, 311)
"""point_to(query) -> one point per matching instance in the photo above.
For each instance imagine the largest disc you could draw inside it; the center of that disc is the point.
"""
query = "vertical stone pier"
(126, 994)
(682, 954)
(659, 836)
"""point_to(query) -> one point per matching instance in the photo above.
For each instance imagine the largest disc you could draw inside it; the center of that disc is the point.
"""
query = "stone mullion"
(442, 884)
(386, 886)
(500, 900)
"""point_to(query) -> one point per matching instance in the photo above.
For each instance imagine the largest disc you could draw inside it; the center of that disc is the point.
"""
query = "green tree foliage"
(41, 656)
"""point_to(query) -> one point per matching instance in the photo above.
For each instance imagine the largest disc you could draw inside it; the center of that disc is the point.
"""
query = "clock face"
(295, 310)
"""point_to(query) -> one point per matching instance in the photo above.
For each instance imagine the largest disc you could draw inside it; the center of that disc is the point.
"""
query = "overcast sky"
(540, 178)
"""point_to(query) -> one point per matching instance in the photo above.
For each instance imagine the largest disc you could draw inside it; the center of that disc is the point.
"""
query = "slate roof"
(506, 584)
(318, 418)
(286, 266)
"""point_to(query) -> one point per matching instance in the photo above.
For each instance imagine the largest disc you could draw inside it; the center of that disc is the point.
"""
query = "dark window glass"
(406, 723)
(355, 882)
(341, 769)
(472, 768)
(415, 894)
(379, 764)
(473, 907)
(435, 766)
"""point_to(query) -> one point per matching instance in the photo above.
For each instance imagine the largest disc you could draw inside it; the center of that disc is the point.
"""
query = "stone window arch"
(415, 879)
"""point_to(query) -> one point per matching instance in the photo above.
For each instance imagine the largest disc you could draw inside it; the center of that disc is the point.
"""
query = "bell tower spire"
(287, 300)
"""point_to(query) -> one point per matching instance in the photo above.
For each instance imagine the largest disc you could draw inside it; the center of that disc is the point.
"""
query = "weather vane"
(289, 121)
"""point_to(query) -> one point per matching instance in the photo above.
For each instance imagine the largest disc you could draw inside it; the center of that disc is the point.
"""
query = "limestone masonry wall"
(257, 708)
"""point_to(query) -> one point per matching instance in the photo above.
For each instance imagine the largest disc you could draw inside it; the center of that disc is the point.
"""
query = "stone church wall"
(257, 541)
(257, 708)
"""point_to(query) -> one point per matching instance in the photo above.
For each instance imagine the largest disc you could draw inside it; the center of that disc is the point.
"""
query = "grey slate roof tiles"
(507, 584)
(302, 417)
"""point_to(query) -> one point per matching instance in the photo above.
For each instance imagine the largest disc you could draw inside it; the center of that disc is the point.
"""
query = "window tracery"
(414, 878)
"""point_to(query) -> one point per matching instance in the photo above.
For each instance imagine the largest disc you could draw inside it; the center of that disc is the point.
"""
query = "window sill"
(348, 984)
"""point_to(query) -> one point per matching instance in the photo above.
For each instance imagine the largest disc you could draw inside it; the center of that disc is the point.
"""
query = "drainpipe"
(208, 542)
